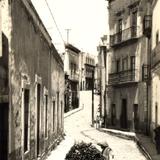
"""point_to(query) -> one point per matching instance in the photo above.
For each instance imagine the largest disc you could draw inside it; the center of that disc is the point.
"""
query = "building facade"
(32, 85)
(127, 99)
(155, 66)
(87, 66)
(71, 68)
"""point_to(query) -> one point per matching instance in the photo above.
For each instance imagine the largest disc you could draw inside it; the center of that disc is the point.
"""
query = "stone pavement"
(144, 142)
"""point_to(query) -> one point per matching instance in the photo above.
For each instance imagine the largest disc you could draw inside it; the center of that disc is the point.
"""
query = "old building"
(87, 66)
(155, 66)
(31, 85)
(127, 98)
(71, 68)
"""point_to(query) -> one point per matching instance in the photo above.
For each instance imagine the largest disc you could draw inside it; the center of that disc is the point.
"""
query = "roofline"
(71, 47)
(36, 19)
(57, 56)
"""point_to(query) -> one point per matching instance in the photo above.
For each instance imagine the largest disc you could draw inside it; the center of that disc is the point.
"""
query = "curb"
(129, 137)
(72, 112)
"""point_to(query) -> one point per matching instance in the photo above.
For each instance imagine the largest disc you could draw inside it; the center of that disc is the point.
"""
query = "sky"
(86, 19)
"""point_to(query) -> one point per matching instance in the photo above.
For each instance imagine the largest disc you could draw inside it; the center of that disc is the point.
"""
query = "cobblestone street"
(78, 127)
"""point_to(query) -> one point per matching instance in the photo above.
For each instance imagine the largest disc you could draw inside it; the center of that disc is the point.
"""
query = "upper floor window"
(117, 65)
(132, 62)
(134, 18)
(125, 64)
(120, 25)
(157, 38)
(119, 30)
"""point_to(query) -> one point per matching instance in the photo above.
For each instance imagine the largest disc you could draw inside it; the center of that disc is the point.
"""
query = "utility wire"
(54, 21)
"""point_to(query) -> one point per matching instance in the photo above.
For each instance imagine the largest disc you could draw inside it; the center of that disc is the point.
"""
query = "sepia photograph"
(79, 80)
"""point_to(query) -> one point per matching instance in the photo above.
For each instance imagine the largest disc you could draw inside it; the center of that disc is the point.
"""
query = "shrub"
(84, 151)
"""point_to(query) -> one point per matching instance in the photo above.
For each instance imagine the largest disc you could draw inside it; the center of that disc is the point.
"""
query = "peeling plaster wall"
(27, 53)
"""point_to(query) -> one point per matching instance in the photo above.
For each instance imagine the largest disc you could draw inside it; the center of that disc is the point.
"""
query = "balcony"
(74, 77)
(122, 77)
(155, 56)
(124, 36)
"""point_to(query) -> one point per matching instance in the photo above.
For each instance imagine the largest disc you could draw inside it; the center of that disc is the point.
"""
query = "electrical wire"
(55, 21)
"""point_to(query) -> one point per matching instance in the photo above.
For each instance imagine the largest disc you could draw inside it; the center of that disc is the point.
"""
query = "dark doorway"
(156, 115)
(4, 131)
(136, 117)
(124, 114)
(38, 117)
(58, 109)
(113, 114)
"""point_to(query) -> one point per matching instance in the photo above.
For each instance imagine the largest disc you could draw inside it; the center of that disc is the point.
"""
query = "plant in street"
(84, 151)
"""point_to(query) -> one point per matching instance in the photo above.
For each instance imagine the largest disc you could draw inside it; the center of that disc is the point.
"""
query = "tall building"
(87, 67)
(127, 99)
(71, 68)
(31, 85)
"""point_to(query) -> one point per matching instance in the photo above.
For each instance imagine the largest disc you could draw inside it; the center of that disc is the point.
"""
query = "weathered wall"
(30, 54)
(134, 93)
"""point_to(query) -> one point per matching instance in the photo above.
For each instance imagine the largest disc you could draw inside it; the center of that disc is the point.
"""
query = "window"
(46, 118)
(120, 30)
(124, 64)
(117, 66)
(26, 118)
(157, 38)
(134, 24)
(132, 63)
(54, 115)
(134, 18)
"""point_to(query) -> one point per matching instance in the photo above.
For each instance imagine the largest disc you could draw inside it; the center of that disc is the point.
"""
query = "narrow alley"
(78, 128)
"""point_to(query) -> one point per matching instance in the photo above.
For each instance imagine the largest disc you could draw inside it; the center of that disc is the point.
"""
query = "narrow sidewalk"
(65, 145)
(144, 142)
(62, 149)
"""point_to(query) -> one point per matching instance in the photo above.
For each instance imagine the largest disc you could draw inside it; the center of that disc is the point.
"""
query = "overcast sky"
(87, 20)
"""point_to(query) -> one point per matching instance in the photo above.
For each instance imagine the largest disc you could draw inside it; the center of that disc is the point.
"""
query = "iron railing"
(74, 76)
(123, 76)
(124, 35)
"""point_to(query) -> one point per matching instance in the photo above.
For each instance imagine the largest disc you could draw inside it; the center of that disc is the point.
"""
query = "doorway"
(156, 115)
(124, 114)
(38, 118)
(136, 117)
(113, 115)
(4, 131)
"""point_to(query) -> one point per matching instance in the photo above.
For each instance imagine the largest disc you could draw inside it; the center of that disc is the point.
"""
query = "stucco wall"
(31, 54)
(135, 93)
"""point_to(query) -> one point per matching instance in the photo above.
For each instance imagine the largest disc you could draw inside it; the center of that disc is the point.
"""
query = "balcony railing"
(122, 77)
(74, 76)
(155, 55)
(124, 35)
